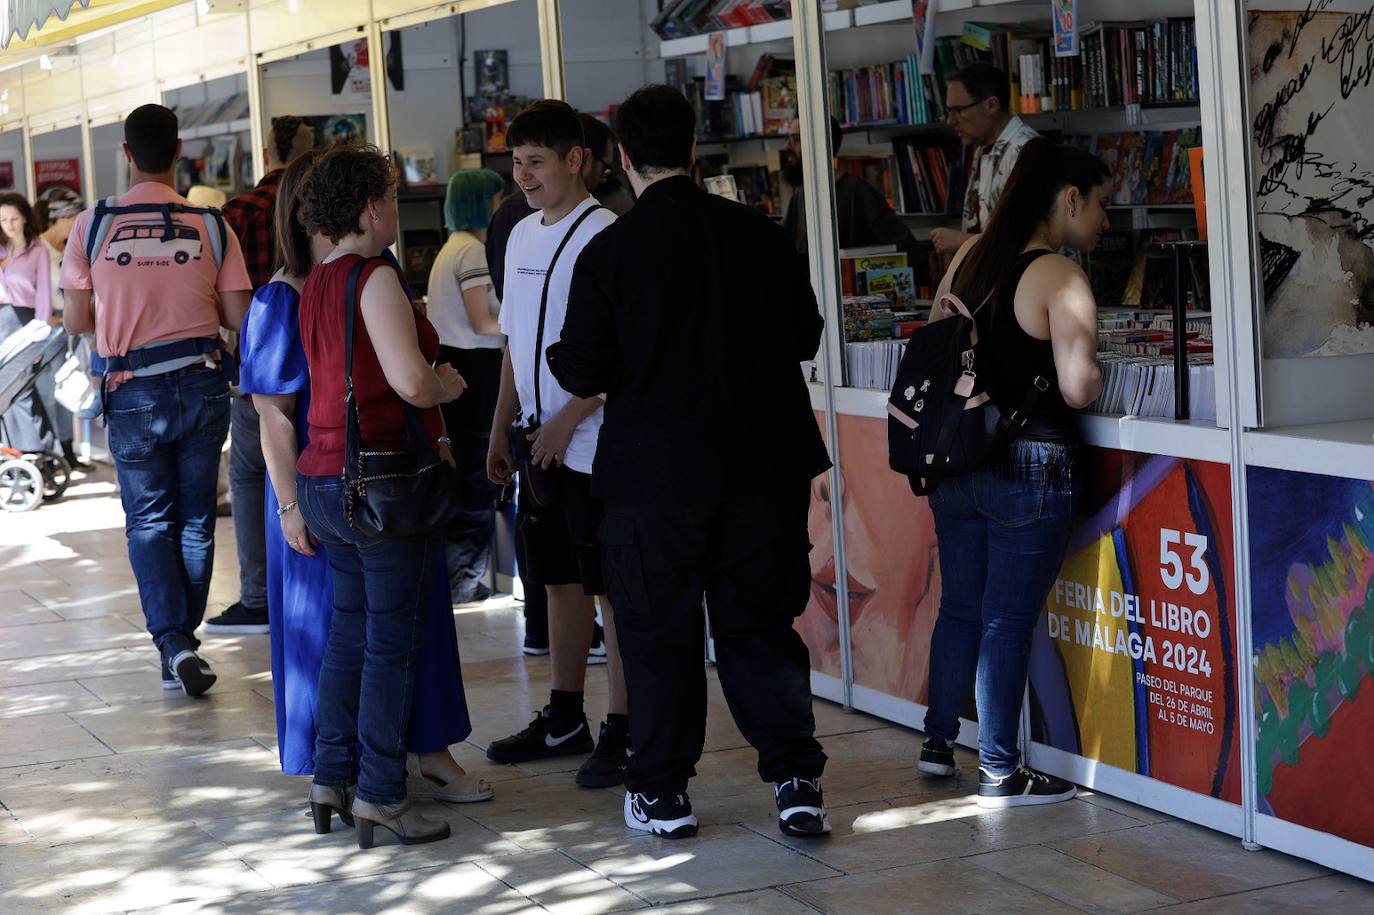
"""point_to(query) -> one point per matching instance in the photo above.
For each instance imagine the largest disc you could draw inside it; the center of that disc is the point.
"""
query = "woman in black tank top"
(1003, 531)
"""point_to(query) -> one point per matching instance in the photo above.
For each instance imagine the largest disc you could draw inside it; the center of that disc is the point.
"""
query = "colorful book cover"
(899, 285)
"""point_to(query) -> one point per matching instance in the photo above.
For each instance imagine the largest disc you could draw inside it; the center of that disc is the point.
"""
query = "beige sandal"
(466, 790)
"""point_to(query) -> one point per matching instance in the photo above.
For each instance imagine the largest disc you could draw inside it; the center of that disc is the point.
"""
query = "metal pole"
(808, 37)
(551, 48)
(376, 67)
(1221, 40)
(257, 111)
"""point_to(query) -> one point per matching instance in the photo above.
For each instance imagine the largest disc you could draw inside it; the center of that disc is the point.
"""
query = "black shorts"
(561, 546)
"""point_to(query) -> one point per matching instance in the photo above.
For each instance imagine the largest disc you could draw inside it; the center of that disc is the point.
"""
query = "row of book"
(1129, 270)
(873, 364)
(918, 177)
(216, 111)
(1135, 63)
(754, 185)
(1144, 386)
(1148, 167)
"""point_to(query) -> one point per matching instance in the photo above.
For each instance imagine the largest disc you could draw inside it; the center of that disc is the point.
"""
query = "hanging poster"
(6, 175)
(893, 580)
(715, 67)
(349, 72)
(1312, 628)
(52, 173)
(1134, 662)
(1310, 95)
(333, 129)
(1065, 15)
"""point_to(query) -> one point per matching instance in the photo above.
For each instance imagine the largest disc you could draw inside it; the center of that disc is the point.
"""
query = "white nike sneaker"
(543, 739)
(667, 817)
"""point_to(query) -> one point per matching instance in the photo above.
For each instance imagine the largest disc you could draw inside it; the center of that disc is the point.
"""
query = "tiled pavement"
(117, 796)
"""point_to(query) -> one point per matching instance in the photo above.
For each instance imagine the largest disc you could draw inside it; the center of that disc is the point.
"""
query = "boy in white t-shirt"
(560, 538)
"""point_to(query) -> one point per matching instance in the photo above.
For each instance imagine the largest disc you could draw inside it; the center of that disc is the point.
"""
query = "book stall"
(1207, 649)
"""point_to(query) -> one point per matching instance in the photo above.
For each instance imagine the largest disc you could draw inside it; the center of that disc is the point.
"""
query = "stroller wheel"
(57, 474)
(21, 486)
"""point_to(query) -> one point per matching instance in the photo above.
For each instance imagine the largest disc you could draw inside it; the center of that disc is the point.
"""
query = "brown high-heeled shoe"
(325, 801)
(404, 820)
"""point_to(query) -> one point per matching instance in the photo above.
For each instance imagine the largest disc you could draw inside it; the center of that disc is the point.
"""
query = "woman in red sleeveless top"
(368, 675)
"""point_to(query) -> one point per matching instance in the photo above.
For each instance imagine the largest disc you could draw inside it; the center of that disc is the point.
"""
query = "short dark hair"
(550, 123)
(284, 130)
(595, 133)
(289, 233)
(151, 132)
(339, 187)
(657, 127)
(18, 201)
(983, 80)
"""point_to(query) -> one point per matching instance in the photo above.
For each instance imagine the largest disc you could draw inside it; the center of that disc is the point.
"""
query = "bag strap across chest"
(544, 307)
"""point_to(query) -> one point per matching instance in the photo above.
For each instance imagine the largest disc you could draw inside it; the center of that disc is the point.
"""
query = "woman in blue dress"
(299, 587)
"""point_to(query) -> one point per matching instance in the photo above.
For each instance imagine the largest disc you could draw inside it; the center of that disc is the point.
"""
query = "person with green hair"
(463, 308)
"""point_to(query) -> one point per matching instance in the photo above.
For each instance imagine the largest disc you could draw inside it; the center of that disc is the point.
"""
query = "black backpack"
(941, 420)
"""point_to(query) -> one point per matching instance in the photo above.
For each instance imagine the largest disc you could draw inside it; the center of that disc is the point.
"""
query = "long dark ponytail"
(1043, 169)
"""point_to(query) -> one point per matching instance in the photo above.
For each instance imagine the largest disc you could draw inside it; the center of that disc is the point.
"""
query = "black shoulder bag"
(540, 483)
(391, 495)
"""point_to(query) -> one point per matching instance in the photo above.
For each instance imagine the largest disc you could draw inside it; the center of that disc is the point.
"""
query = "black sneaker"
(169, 680)
(801, 809)
(605, 768)
(596, 654)
(667, 817)
(539, 741)
(1022, 788)
(238, 620)
(190, 672)
(535, 647)
(937, 757)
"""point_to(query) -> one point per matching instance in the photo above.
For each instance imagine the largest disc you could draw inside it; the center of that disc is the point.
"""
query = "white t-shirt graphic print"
(528, 252)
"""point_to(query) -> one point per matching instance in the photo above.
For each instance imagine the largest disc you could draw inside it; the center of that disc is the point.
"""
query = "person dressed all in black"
(654, 312)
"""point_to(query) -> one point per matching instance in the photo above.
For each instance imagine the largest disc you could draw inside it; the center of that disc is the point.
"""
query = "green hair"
(468, 203)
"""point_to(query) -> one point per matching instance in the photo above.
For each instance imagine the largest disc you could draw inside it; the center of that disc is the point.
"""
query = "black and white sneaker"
(596, 654)
(543, 739)
(937, 757)
(1022, 788)
(191, 673)
(801, 809)
(238, 620)
(605, 768)
(667, 817)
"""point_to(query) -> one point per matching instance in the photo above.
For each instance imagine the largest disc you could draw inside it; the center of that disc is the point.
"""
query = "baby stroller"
(29, 473)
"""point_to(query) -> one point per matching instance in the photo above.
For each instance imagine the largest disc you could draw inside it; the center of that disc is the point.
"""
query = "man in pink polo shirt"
(166, 281)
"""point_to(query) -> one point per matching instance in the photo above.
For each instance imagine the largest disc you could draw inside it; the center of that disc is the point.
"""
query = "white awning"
(19, 17)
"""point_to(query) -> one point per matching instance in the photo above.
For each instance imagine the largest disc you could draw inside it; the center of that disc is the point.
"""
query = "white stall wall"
(607, 50)
(429, 109)
(107, 143)
(300, 85)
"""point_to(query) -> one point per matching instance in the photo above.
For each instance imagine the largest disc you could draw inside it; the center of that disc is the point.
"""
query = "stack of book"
(873, 365)
(1144, 386)
(684, 18)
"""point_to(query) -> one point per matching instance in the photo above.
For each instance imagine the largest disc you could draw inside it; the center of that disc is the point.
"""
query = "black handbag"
(540, 484)
(391, 495)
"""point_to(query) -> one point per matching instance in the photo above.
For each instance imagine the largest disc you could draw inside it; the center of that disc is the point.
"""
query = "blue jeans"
(367, 679)
(1002, 541)
(166, 432)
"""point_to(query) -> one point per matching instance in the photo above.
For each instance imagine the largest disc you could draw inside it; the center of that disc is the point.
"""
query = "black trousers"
(468, 423)
(748, 558)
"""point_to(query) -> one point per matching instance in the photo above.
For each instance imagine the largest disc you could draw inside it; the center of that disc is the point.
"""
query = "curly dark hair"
(284, 130)
(19, 203)
(339, 187)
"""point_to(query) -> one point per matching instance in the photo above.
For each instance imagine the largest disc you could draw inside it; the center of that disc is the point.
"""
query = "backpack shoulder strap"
(99, 227)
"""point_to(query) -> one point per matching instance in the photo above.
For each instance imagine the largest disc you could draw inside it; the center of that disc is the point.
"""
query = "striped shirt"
(460, 265)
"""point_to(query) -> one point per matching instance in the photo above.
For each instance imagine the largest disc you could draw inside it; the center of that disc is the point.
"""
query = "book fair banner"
(1312, 631)
(1134, 662)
